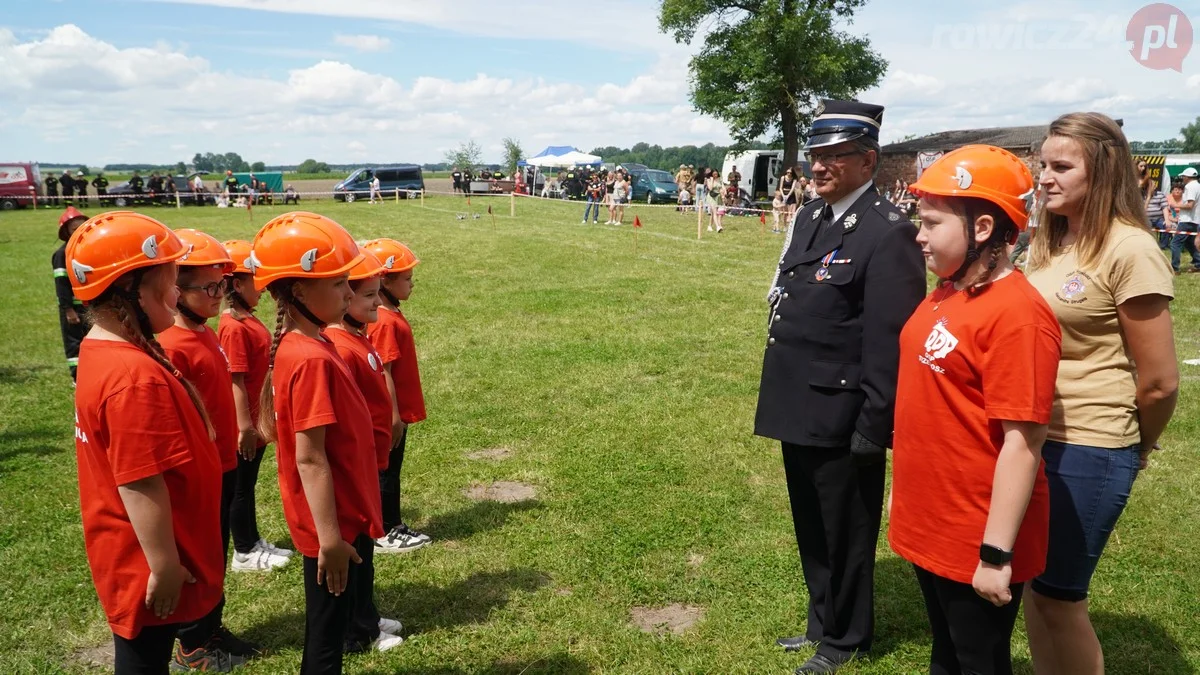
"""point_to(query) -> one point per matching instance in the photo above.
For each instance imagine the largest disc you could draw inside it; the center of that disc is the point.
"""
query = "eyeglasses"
(829, 158)
(214, 289)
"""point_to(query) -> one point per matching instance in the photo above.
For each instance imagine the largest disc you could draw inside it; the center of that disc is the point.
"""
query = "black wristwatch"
(994, 556)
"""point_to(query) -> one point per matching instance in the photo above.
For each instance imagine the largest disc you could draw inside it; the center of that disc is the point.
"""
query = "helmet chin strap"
(352, 322)
(306, 312)
(972, 256)
(390, 298)
(237, 299)
(133, 297)
(189, 314)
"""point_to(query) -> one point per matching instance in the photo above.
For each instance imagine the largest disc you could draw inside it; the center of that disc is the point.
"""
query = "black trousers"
(389, 484)
(102, 195)
(52, 197)
(72, 337)
(243, 513)
(836, 508)
(971, 636)
(198, 632)
(327, 617)
(364, 616)
(148, 653)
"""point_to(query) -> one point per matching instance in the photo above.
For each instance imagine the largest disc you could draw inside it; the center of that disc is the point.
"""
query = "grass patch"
(624, 386)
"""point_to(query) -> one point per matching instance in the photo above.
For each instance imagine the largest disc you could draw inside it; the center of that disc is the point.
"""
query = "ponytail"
(266, 400)
(128, 314)
(241, 310)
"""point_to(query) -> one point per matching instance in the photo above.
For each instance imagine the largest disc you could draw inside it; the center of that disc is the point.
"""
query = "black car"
(123, 195)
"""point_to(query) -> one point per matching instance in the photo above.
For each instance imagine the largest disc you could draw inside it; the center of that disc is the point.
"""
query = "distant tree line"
(658, 157)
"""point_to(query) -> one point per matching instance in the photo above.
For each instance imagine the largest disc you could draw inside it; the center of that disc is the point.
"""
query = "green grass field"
(624, 387)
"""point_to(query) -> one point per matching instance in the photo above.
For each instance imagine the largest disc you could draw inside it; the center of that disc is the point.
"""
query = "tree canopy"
(766, 64)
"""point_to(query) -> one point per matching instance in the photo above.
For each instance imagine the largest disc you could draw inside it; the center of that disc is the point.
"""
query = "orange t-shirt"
(314, 388)
(393, 338)
(247, 345)
(198, 355)
(367, 369)
(134, 420)
(966, 364)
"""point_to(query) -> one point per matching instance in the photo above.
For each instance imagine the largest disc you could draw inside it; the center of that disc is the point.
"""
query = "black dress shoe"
(819, 663)
(794, 644)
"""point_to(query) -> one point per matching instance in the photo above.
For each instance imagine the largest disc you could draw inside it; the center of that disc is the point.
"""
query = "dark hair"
(281, 291)
(970, 209)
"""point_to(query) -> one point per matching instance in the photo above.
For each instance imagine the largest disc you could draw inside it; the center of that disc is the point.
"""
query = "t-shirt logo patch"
(1073, 289)
(938, 345)
(372, 362)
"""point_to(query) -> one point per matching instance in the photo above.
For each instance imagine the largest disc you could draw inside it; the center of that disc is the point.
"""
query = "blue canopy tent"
(558, 156)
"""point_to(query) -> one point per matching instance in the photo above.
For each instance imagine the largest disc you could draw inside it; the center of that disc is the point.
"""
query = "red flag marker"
(489, 208)
(762, 218)
(637, 222)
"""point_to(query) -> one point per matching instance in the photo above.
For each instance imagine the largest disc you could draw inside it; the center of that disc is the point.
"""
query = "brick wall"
(903, 165)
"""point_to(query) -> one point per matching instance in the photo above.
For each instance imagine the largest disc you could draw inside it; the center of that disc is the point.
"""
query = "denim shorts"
(1089, 488)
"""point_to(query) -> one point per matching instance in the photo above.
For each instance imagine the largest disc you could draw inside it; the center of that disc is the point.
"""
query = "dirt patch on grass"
(695, 560)
(505, 492)
(100, 656)
(675, 619)
(490, 453)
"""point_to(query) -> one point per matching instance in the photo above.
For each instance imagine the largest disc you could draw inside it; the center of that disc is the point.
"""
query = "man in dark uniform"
(70, 311)
(456, 176)
(81, 188)
(51, 182)
(68, 187)
(137, 184)
(850, 275)
(230, 185)
(101, 185)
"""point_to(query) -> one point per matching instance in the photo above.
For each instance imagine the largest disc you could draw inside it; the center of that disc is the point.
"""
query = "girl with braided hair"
(149, 475)
(978, 360)
(328, 476)
(193, 348)
(246, 343)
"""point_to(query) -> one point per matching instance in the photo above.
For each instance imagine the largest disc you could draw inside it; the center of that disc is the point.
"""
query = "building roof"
(1009, 138)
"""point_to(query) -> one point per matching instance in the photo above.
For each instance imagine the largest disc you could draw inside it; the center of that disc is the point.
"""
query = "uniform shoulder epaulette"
(888, 210)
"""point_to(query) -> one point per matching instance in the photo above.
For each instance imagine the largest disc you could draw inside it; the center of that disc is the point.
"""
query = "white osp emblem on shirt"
(938, 345)
(372, 362)
(308, 260)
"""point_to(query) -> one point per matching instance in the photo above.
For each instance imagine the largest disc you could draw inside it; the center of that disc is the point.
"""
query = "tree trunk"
(791, 135)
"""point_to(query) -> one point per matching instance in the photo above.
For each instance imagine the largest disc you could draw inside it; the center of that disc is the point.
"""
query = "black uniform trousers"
(389, 485)
(199, 632)
(836, 509)
(148, 653)
(328, 617)
(971, 636)
(72, 336)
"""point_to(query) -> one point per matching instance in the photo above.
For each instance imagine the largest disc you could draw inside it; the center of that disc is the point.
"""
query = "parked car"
(404, 177)
(20, 185)
(654, 187)
(122, 195)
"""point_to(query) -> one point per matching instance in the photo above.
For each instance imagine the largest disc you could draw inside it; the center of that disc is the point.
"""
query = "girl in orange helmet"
(149, 477)
(193, 348)
(349, 336)
(978, 359)
(247, 345)
(393, 338)
(328, 476)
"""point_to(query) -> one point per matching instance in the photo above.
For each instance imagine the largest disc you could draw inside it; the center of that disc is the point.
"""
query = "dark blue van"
(391, 178)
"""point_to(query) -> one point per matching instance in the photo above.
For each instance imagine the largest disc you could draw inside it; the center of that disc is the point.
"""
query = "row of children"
(169, 437)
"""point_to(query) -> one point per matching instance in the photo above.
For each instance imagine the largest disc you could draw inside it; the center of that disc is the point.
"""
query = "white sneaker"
(390, 626)
(398, 541)
(710, 228)
(257, 560)
(267, 546)
(387, 641)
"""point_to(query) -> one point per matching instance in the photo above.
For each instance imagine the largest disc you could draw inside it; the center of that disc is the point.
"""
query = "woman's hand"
(992, 582)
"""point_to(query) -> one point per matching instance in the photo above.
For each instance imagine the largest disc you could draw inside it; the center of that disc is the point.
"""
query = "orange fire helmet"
(71, 213)
(239, 250)
(394, 256)
(985, 172)
(302, 245)
(369, 267)
(204, 249)
(113, 244)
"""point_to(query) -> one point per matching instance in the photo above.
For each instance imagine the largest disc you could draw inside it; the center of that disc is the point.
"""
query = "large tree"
(466, 156)
(1191, 136)
(765, 64)
(513, 153)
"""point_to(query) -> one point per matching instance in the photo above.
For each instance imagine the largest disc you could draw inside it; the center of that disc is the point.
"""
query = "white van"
(760, 171)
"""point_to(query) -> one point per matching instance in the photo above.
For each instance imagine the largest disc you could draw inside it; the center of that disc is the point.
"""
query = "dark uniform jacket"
(832, 350)
(62, 283)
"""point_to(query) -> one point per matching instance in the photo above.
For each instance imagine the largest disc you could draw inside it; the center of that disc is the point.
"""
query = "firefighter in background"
(101, 185)
(68, 188)
(230, 185)
(51, 182)
(81, 188)
(137, 184)
(70, 310)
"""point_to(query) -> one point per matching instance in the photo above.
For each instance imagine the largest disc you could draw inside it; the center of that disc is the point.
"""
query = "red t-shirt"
(198, 355)
(393, 338)
(966, 364)
(367, 369)
(314, 388)
(134, 420)
(247, 345)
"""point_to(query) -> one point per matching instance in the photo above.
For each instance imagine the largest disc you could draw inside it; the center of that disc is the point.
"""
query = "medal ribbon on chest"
(823, 273)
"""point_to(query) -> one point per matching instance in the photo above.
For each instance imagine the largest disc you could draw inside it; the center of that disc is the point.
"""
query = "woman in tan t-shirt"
(1098, 266)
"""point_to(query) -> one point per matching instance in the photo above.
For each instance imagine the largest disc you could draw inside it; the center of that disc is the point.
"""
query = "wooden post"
(397, 195)
(177, 204)
(699, 218)
(422, 199)
(512, 205)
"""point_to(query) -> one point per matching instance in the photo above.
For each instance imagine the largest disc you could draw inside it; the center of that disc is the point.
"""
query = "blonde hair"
(1113, 193)
(281, 292)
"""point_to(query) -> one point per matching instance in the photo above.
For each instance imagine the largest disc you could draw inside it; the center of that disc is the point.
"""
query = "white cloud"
(363, 43)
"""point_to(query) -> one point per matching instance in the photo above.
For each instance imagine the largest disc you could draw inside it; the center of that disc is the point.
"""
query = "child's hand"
(398, 427)
(333, 565)
(164, 588)
(247, 444)
(991, 583)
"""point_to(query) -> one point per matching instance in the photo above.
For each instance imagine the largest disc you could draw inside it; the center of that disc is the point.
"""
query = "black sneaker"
(207, 659)
(225, 639)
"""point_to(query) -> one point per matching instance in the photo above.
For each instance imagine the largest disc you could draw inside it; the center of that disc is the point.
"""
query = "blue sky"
(398, 80)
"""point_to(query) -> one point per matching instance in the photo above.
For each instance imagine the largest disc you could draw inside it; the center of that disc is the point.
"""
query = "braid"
(266, 401)
(981, 282)
(126, 315)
